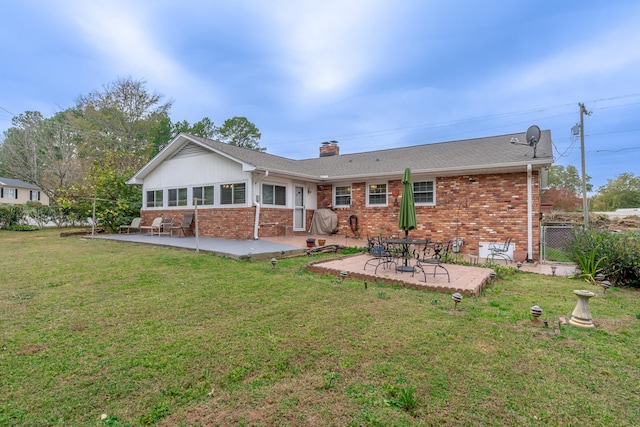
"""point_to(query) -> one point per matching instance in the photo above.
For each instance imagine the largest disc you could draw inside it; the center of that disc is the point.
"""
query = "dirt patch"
(31, 349)
(614, 326)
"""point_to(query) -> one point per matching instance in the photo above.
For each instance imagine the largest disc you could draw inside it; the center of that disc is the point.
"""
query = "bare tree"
(42, 152)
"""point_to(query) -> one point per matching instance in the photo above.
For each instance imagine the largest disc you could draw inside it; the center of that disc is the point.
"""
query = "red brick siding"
(229, 223)
(475, 208)
(489, 208)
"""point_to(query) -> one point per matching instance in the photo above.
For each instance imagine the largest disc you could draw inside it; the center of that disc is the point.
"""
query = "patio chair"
(186, 225)
(500, 250)
(135, 226)
(434, 255)
(154, 227)
(381, 257)
(165, 227)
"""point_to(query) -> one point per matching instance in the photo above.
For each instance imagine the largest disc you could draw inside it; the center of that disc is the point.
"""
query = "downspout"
(256, 224)
(529, 214)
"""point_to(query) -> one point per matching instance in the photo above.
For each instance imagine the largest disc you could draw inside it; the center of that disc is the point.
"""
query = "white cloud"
(327, 46)
(602, 57)
(121, 31)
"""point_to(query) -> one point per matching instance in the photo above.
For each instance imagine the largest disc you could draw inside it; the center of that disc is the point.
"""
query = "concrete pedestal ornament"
(581, 315)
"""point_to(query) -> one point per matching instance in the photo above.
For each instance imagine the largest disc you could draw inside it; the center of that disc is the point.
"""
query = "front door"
(299, 221)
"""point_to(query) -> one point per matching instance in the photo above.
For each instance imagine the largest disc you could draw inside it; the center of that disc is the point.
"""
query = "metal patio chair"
(500, 250)
(434, 255)
(380, 255)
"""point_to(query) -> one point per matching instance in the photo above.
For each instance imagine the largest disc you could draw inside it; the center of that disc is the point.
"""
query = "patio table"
(404, 244)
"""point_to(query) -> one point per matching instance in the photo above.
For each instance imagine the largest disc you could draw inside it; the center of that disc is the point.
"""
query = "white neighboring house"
(16, 192)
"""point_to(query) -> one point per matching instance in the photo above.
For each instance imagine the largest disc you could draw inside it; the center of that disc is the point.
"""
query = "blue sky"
(371, 74)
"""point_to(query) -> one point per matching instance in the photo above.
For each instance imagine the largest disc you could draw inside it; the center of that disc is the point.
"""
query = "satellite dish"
(533, 135)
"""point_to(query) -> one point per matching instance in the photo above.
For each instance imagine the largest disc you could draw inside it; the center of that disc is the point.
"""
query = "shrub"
(616, 255)
(11, 215)
(22, 227)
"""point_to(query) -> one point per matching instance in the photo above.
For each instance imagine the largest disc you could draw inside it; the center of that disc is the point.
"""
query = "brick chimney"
(329, 148)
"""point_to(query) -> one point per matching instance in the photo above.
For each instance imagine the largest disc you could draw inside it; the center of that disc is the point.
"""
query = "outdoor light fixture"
(536, 312)
(343, 275)
(457, 298)
(599, 277)
(274, 262)
(518, 264)
(493, 275)
(605, 285)
(553, 270)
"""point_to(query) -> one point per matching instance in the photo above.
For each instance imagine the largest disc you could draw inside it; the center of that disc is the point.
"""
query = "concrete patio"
(468, 280)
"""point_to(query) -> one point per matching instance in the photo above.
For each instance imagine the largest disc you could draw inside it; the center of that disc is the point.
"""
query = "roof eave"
(473, 170)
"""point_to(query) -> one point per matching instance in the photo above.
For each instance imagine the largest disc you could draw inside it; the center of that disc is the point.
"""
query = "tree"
(42, 152)
(21, 147)
(240, 132)
(621, 192)
(568, 177)
(120, 119)
(565, 188)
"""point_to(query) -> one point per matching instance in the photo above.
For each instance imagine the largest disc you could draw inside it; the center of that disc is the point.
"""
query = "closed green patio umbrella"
(407, 218)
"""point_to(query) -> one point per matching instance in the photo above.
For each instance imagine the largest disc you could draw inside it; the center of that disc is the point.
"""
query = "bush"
(616, 255)
(22, 227)
(11, 215)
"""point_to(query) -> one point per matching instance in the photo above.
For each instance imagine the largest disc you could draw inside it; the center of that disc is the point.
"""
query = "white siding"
(195, 170)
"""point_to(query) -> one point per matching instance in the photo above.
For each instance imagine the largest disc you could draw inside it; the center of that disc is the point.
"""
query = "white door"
(299, 221)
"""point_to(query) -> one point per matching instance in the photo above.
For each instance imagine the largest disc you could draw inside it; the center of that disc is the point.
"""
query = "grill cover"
(325, 221)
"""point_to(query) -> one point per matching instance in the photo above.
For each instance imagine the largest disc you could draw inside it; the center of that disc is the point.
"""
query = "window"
(154, 199)
(342, 195)
(423, 192)
(377, 194)
(274, 194)
(34, 195)
(204, 195)
(177, 197)
(9, 193)
(232, 194)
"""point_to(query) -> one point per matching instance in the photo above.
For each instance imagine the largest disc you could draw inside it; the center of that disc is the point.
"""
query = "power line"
(396, 130)
(4, 109)
(615, 150)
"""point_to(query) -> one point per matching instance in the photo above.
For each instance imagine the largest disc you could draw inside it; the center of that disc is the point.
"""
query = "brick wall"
(476, 208)
(231, 223)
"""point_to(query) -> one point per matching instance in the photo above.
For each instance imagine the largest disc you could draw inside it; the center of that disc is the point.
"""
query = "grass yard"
(143, 335)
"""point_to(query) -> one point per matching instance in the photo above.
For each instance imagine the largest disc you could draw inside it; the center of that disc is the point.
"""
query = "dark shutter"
(16, 193)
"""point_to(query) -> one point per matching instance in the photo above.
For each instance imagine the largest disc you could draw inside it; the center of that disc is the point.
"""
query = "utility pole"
(585, 201)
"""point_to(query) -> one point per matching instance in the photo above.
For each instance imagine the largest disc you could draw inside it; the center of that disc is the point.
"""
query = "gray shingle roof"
(10, 182)
(470, 156)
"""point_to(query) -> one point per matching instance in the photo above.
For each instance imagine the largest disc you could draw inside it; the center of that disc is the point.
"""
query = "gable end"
(190, 150)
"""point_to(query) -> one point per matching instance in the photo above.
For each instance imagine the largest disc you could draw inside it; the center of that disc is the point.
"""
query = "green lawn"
(162, 336)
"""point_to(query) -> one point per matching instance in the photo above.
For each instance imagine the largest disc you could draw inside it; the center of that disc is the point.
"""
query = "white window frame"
(35, 193)
(273, 186)
(336, 196)
(433, 191)
(203, 198)
(233, 185)
(9, 193)
(178, 201)
(155, 201)
(386, 194)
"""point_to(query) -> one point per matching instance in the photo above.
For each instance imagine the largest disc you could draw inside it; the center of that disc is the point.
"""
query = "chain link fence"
(555, 240)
